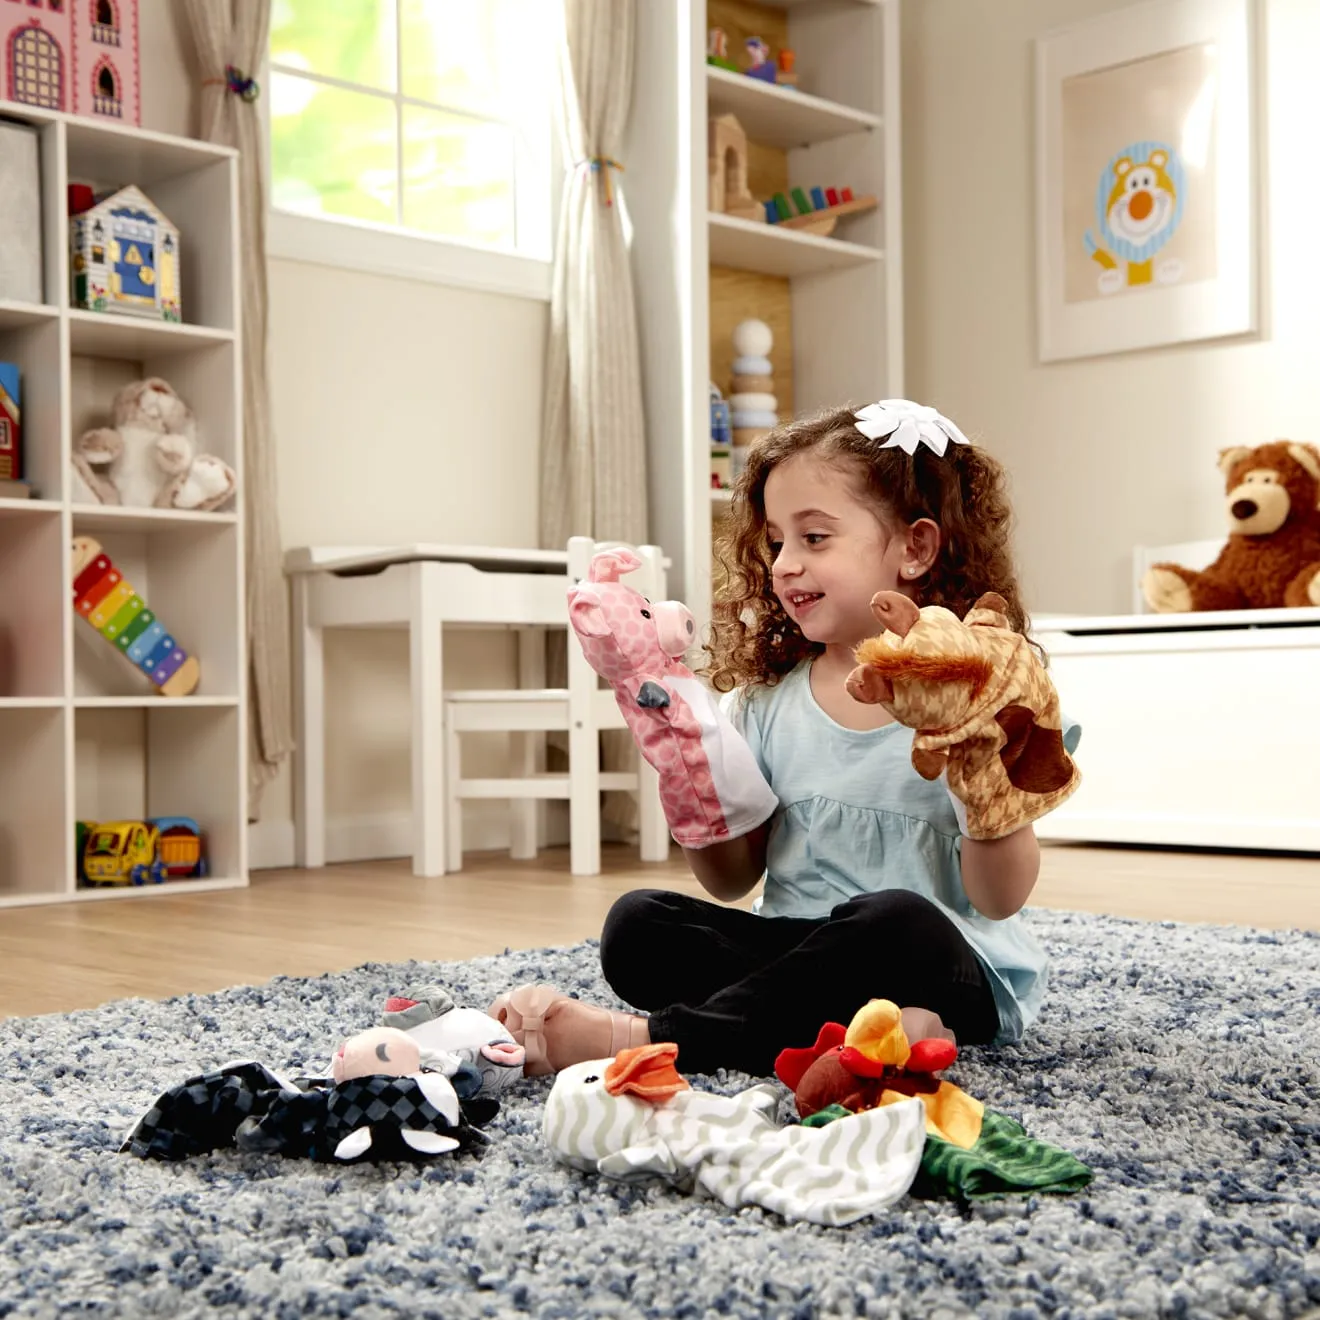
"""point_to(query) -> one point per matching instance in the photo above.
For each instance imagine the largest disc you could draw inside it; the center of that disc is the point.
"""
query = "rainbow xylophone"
(120, 615)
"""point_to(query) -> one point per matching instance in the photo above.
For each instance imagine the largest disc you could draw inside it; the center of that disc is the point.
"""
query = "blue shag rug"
(1182, 1063)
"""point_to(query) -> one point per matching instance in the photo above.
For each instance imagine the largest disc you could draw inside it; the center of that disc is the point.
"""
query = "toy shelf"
(834, 303)
(773, 250)
(104, 334)
(14, 313)
(86, 735)
(96, 518)
(782, 116)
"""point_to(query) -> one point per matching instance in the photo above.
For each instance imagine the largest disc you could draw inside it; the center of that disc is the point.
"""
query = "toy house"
(11, 450)
(124, 257)
(80, 56)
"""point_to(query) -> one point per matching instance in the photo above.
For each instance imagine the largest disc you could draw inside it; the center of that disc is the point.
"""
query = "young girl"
(871, 889)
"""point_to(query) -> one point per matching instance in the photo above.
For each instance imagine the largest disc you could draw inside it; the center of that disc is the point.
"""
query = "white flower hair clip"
(908, 425)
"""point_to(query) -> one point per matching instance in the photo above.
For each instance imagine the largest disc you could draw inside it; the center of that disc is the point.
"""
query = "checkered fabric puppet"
(390, 1111)
(635, 1117)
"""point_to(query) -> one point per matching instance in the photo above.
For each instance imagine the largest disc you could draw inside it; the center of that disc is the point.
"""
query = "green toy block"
(782, 209)
(802, 202)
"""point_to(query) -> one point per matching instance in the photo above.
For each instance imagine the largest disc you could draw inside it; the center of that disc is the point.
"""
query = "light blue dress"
(854, 817)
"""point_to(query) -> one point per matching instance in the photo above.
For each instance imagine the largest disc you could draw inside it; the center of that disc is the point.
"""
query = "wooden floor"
(77, 955)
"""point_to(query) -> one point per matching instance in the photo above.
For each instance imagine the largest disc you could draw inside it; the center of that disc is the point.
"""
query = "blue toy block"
(818, 198)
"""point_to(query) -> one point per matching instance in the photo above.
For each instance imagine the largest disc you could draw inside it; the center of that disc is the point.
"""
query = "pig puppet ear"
(611, 565)
(586, 615)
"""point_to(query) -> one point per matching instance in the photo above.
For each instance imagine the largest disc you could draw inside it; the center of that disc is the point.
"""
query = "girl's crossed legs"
(732, 988)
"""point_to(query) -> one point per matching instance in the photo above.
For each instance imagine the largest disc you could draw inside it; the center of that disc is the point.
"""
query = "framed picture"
(1146, 178)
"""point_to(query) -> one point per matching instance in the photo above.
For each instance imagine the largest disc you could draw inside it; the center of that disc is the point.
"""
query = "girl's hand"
(922, 1024)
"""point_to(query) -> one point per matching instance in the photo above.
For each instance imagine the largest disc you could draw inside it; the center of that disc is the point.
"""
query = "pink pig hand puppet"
(710, 785)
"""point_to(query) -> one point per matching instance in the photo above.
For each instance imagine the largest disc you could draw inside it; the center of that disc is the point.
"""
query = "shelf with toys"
(122, 653)
(768, 189)
(780, 117)
(773, 250)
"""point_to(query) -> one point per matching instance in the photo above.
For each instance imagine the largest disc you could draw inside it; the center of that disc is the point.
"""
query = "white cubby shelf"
(834, 302)
(85, 735)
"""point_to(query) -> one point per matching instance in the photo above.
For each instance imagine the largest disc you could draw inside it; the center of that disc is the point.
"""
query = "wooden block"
(752, 385)
(755, 212)
(748, 435)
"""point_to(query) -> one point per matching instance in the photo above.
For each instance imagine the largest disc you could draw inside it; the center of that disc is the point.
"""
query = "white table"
(423, 588)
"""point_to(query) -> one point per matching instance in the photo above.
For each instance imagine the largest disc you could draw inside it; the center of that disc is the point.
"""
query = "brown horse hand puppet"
(981, 704)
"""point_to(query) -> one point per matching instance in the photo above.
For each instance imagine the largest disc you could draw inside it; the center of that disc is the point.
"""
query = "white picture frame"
(1147, 177)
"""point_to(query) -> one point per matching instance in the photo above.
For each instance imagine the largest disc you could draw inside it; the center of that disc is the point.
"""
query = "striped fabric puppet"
(634, 1117)
(120, 615)
(710, 785)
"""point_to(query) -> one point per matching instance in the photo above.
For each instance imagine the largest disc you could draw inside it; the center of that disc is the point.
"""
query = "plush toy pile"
(416, 1086)
(148, 457)
(878, 1124)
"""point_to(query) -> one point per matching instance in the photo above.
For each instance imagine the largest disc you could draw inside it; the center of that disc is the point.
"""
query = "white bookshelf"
(841, 296)
(83, 735)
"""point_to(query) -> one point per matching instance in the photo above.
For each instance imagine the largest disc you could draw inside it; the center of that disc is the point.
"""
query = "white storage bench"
(1197, 729)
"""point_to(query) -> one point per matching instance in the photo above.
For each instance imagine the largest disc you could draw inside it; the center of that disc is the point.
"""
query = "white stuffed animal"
(147, 458)
(439, 1026)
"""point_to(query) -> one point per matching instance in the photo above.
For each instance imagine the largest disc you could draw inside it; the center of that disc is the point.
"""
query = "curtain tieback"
(236, 82)
(602, 165)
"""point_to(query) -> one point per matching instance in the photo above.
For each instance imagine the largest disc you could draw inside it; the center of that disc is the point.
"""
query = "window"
(105, 23)
(36, 68)
(426, 118)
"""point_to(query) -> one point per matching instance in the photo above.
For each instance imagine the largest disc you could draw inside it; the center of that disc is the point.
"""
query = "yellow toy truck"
(123, 852)
(139, 852)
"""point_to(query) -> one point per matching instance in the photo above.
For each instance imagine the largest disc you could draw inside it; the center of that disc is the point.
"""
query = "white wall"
(1115, 451)
(402, 412)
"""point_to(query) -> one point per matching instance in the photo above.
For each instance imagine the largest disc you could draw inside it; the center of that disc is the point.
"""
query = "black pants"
(732, 989)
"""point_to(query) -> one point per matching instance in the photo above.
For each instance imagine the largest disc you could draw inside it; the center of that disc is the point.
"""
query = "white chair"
(583, 709)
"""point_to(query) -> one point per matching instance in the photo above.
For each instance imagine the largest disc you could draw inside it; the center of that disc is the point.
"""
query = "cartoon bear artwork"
(1139, 205)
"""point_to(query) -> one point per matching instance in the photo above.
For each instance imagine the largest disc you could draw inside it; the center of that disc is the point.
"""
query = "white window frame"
(375, 249)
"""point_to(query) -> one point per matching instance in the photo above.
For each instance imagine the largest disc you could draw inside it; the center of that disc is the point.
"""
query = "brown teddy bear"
(1272, 558)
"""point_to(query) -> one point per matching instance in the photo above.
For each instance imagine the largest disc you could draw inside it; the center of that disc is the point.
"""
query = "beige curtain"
(230, 39)
(593, 451)
(593, 460)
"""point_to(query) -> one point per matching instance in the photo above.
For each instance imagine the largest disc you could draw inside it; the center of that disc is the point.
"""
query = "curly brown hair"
(753, 641)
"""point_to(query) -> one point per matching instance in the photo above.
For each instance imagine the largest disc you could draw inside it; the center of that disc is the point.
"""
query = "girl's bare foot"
(557, 1031)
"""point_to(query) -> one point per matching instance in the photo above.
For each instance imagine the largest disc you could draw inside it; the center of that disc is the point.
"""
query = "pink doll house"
(79, 56)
